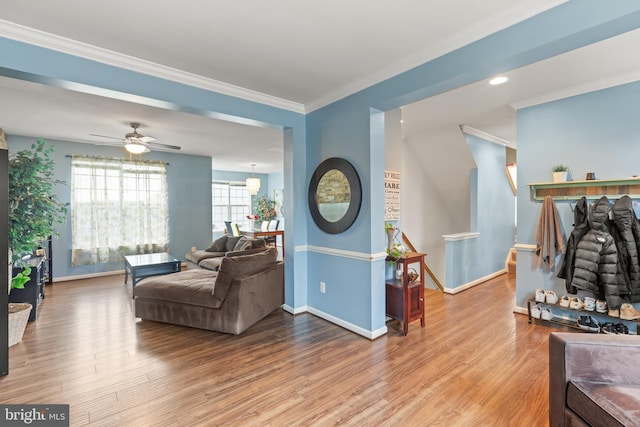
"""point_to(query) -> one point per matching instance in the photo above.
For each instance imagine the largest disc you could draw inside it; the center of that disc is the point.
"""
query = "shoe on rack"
(546, 314)
(564, 301)
(551, 297)
(589, 304)
(584, 321)
(608, 328)
(601, 306)
(613, 312)
(594, 326)
(540, 295)
(575, 303)
(536, 311)
(621, 328)
(628, 312)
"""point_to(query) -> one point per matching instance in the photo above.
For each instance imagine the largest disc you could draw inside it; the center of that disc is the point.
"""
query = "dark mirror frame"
(356, 195)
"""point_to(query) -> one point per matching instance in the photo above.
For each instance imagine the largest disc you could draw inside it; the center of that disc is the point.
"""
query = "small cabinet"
(33, 292)
(404, 297)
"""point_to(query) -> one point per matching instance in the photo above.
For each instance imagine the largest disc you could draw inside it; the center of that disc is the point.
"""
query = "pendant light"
(253, 183)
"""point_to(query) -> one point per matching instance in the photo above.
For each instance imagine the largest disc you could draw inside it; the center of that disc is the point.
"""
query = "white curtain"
(118, 207)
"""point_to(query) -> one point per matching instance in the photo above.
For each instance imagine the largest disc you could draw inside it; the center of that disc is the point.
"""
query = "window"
(231, 202)
(118, 207)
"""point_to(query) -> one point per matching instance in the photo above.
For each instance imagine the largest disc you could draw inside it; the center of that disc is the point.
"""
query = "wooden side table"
(405, 299)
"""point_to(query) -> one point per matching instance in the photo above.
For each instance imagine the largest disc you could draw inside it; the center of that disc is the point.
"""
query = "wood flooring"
(476, 363)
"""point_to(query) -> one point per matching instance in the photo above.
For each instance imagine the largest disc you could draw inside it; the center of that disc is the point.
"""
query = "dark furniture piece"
(594, 380)
(245, 289)
(145, 265)
(256, 234)
(405, 298)
(33, 291)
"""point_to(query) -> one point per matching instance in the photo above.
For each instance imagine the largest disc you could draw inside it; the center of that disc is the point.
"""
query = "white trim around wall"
(474, 282)
(349, 326)
(461, 236)
(361, 256)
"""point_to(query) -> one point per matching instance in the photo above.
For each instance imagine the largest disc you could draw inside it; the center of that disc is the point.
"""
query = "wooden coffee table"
(145, 265)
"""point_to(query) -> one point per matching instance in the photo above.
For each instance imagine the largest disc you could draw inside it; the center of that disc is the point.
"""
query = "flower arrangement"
(265, 210)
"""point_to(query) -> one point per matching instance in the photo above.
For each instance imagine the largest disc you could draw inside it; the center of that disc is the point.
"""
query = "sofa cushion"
(231, 242)
(603, 404)
(243, 243)
(211, 263)
(245, 252)
(188, 287)
(214, 263)
(197, 256)
(218, 245)
(236, 267)
(258, 243)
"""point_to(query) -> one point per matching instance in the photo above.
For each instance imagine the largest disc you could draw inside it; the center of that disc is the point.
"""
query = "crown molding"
(568, 92)
(479, 30)
(39, 38)
(484, 135)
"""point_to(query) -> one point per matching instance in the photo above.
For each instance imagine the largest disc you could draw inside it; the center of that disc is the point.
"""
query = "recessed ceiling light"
(498, 80)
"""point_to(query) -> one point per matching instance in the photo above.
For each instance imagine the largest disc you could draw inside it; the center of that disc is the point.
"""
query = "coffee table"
(145, 265)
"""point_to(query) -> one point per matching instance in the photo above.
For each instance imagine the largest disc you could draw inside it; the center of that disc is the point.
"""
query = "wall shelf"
(593, 189)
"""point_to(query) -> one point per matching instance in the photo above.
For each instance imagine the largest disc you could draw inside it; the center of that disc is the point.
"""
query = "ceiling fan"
(136, 143)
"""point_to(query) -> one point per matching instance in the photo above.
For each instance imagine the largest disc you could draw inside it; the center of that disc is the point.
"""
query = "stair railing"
(426, 267)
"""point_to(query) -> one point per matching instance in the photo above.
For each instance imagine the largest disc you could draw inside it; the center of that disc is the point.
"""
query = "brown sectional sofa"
(594, 380)
(211, 257)
(245, 289)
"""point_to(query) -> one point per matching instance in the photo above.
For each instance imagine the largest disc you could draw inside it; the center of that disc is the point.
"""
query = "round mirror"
(335, 195)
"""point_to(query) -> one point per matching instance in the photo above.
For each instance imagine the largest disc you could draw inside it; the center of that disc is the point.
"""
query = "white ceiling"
(292, 54)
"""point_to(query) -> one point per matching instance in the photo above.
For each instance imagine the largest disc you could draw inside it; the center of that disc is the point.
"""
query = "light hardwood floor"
(476, 363)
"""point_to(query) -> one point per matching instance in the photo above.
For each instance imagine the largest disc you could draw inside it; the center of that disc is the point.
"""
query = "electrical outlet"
(323, 287)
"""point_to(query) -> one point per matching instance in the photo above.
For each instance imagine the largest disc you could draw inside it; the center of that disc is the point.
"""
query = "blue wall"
(347, 128)
(595, 132)
(493, 217)
(189, 194)
(351, 263)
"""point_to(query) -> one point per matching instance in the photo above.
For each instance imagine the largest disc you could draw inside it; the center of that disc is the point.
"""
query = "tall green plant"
(34, 209)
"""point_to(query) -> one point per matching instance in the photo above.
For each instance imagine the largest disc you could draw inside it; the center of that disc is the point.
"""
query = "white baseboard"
(294, 311)
(521, 310)
(94, 275)
(474, 283)
(87, 276)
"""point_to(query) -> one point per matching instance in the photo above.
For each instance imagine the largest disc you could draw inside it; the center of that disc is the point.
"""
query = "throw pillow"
(242, 244)
(218, 245)
(240, 266)
(231, 242)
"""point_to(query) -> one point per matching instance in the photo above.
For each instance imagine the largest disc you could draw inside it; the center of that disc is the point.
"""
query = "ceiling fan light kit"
(135, 148)
(136, 143)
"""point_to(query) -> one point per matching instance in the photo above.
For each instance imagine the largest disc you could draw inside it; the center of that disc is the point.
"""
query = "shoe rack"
(571, 321)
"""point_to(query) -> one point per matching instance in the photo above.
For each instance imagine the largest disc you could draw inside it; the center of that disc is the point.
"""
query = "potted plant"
(34, 212)
(560, 173)
(265, 210)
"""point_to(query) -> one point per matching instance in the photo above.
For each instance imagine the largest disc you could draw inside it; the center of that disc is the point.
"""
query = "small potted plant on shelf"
(560, 173)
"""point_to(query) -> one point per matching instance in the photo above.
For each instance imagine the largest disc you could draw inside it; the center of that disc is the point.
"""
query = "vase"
(560, 176)
(390, 235)
(388, 270)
